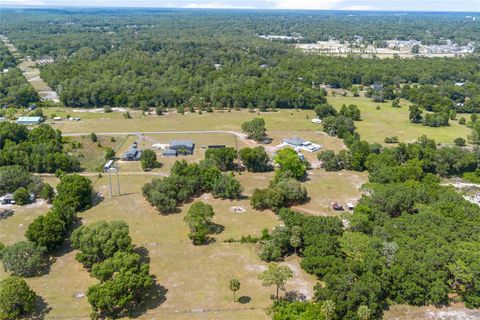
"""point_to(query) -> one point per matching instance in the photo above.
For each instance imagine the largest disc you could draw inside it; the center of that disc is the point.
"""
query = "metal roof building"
(182, 146)
(29, 120)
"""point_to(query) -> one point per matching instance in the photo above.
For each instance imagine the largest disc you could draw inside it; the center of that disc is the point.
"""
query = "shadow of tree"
(4, 214)
(154, 298)
(216, 228)
(293, 295)
(96, 199)
(244, 299)
(41, 309)
(143, 252)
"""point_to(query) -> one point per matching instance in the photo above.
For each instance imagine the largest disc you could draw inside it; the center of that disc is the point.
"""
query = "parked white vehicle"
(310, 147)
(317, 121)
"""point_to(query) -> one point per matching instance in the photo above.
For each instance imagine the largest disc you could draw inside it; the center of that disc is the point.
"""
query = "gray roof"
(182, 143)
(169, 152)
(7, 196)
(294, 141)
(29, 119)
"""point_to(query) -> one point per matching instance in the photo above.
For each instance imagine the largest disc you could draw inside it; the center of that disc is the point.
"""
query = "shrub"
(24, 259)
(21, 196)
(17, 300)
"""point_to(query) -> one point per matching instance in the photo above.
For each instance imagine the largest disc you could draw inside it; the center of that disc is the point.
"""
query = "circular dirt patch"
(237, 209)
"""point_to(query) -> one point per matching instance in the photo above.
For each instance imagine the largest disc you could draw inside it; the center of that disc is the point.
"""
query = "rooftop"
(183, 143)
(29, 119)
(294, 141)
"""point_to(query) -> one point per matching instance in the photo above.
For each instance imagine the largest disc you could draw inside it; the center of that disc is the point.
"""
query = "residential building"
(132, 154)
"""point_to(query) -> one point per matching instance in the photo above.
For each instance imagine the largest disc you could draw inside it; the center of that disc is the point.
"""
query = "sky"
(385, 5)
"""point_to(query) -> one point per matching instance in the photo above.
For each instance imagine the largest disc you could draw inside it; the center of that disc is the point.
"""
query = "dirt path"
(32, 73)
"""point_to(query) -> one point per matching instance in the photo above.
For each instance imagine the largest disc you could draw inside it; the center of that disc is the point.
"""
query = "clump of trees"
(16, 90)
(106, 250)
(290, 164)
(25, 259)
(284, 192)
(148, 160)
(255, 129)
(37, 150)
(187, 181)
(351, 112)
(255, 159)
(222, 158)
(17, 300)
(199, 221)
(90, 240)
(49, 231)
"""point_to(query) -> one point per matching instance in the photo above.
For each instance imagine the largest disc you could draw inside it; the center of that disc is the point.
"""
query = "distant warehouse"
(29, 120)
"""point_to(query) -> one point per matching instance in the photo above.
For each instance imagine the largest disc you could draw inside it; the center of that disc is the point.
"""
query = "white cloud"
(22, 2)
(359, 8)
(214, 5)
(306, 4)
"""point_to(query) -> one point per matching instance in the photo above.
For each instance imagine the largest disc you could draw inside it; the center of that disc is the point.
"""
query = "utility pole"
(118, 182)
(110, 182)
(238, 155)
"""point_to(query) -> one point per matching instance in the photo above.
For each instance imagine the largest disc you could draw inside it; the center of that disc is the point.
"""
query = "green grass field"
(388, 121)
(115, 122)
(196, 277)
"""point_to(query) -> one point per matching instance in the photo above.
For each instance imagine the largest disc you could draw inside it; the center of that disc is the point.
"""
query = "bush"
(148, 160)
(460, 142)
(93, 137)
(21, 196)
(255, 159)
(226, 187)
(393, 139)
(462, 121)
(47, 192)
(100, 241)
(199, 218)
(17, 300)
(24, 259)
(13, 177)
(47, 231)
(74, 191)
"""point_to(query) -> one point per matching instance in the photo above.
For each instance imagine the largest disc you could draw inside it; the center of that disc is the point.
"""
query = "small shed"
(7, 199)
(350, 206)
(377, 86)
(29, 120)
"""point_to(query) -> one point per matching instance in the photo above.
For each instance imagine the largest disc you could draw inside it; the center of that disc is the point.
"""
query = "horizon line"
(13, 6)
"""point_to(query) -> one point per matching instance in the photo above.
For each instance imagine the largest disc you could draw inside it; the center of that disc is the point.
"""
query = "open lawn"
(323, 188)
(115, 122)
(92, 154)
(195, 278)
(388, 121)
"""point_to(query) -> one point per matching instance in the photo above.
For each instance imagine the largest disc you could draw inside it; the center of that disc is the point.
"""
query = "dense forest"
(14, 88)
(152, 58)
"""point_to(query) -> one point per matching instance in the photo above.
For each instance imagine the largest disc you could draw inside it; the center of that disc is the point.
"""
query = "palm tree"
(234, 286)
